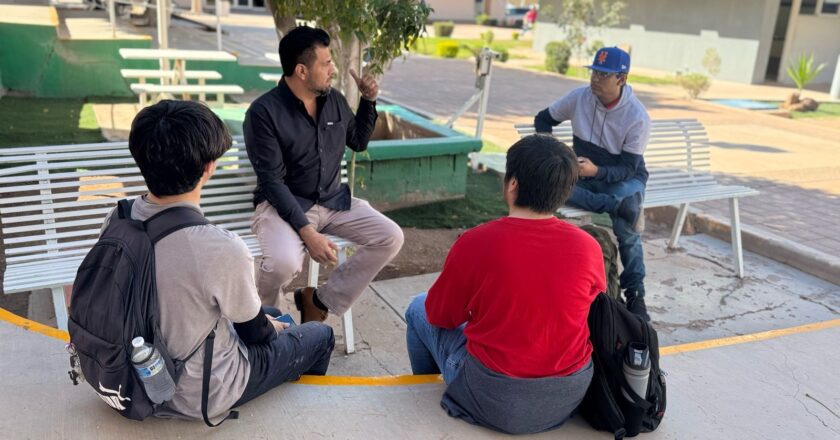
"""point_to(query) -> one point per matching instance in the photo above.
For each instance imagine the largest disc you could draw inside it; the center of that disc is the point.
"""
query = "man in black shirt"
(295, 136)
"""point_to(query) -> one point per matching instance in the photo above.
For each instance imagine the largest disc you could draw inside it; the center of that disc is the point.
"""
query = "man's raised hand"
(367, 85)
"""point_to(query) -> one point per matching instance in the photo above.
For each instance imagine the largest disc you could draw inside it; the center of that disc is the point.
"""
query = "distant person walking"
(529, 20)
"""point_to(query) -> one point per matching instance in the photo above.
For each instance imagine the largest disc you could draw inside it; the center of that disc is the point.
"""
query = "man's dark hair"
(298, 47)
(172, 141)
(545, 169)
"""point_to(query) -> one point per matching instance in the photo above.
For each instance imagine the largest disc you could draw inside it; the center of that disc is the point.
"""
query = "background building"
(756, 39)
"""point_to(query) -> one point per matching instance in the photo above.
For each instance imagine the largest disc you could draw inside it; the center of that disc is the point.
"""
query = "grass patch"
(482, 203)
(825, 110)
(41, 121)
(426, 46)
(583, 73)
(492, 147)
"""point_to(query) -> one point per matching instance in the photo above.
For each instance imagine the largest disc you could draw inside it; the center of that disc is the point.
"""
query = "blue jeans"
(599, 196)
(433, 350)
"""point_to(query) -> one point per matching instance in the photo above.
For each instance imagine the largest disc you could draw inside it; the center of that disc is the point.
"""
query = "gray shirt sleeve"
(230, 281)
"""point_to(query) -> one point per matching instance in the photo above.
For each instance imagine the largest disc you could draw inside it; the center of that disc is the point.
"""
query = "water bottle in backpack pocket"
(636, 369)
(151, 369)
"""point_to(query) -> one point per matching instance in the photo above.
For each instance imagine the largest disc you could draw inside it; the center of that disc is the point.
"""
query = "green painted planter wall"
(406, 172)
(34, 60)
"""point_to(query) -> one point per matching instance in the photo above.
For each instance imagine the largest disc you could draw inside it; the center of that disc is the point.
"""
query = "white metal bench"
(54, 199)
(142, 74)
(185, 90)
(271, 77)
(678, 158)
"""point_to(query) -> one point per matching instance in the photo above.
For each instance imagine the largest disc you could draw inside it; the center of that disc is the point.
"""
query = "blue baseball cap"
(611, 60)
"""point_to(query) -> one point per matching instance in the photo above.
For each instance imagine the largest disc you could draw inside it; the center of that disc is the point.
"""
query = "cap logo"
(602, 57)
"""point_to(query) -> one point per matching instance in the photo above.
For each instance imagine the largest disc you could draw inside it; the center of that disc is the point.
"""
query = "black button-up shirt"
(297, 159)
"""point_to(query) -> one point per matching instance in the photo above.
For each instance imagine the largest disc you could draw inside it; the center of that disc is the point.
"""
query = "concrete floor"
(777, 388)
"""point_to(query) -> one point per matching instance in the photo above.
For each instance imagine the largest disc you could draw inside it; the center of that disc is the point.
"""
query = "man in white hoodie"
(611, 129)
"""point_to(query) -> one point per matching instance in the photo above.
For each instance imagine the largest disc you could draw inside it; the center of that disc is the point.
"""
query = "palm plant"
(802, 72)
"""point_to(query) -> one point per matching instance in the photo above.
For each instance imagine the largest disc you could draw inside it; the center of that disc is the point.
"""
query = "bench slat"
(192, 89)
(169, 74)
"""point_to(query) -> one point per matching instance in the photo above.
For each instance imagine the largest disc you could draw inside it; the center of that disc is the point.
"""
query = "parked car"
(514, 16)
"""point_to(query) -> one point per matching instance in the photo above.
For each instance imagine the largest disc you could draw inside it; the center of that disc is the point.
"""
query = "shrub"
(557, 54)
(597, 44)
(447, 49)
(482, 19)
(515, 36)
(711, 61)
(694, 83)
(443, 28)
(487, 37)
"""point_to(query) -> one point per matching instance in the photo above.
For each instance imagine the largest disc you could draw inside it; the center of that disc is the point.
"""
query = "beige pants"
(379, 240)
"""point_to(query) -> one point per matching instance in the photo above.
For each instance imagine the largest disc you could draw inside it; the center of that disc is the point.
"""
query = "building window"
(830, 7)
(809, 7)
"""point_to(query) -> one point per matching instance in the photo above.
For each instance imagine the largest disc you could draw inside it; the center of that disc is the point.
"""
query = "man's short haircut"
(298, 47)
(172, 142)
(545, 169)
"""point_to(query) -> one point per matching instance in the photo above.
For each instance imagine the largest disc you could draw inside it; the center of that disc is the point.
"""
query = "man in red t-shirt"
(506, 320)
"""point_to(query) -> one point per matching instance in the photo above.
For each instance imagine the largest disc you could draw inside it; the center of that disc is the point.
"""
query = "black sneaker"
(630, 208)
(636, 305)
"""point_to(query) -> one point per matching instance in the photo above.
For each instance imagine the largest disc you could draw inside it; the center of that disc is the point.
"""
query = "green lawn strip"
(42, 121)
(578, 72)
(825, 110)
(428, 46)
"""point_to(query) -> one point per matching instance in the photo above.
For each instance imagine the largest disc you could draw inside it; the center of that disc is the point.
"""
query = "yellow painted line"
(753, 337)
(372, 381)
(33, 326)
(385, 381)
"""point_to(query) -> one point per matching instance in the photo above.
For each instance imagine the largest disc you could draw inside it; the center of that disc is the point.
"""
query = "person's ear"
(209, 169)
(512, 187)
(622, 80)
(300, 72)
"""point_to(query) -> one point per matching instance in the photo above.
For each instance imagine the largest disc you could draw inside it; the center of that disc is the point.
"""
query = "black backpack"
(612, 327)
(115, 299)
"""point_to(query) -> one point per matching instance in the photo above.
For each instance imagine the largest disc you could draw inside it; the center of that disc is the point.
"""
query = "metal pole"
(163, 23)
(163, 33)
(219, 24)
(486, 56)
(112, 16)
(835, 83)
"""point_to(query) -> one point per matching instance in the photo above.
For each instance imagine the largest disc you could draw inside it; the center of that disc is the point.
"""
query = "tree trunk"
(282, 25)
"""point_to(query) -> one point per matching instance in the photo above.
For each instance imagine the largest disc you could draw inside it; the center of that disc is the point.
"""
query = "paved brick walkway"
(794, 164)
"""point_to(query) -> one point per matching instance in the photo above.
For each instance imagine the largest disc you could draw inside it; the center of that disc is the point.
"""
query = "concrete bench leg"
(678, 226)
(220, 98)
(60, 307)
(347, 318)
(737, 250)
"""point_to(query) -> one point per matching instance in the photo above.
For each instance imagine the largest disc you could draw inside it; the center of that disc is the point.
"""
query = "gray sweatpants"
(379, 240)
(516, 406)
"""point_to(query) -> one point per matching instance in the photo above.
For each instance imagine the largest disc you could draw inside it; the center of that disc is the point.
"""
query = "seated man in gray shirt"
(205, 274)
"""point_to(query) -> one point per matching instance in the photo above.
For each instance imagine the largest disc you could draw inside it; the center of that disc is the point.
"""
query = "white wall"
(671, 51)
(455, 10)
(818, 34)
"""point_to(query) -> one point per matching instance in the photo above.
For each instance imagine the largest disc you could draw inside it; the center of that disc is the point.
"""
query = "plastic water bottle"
(152, 371)
(636, 369)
